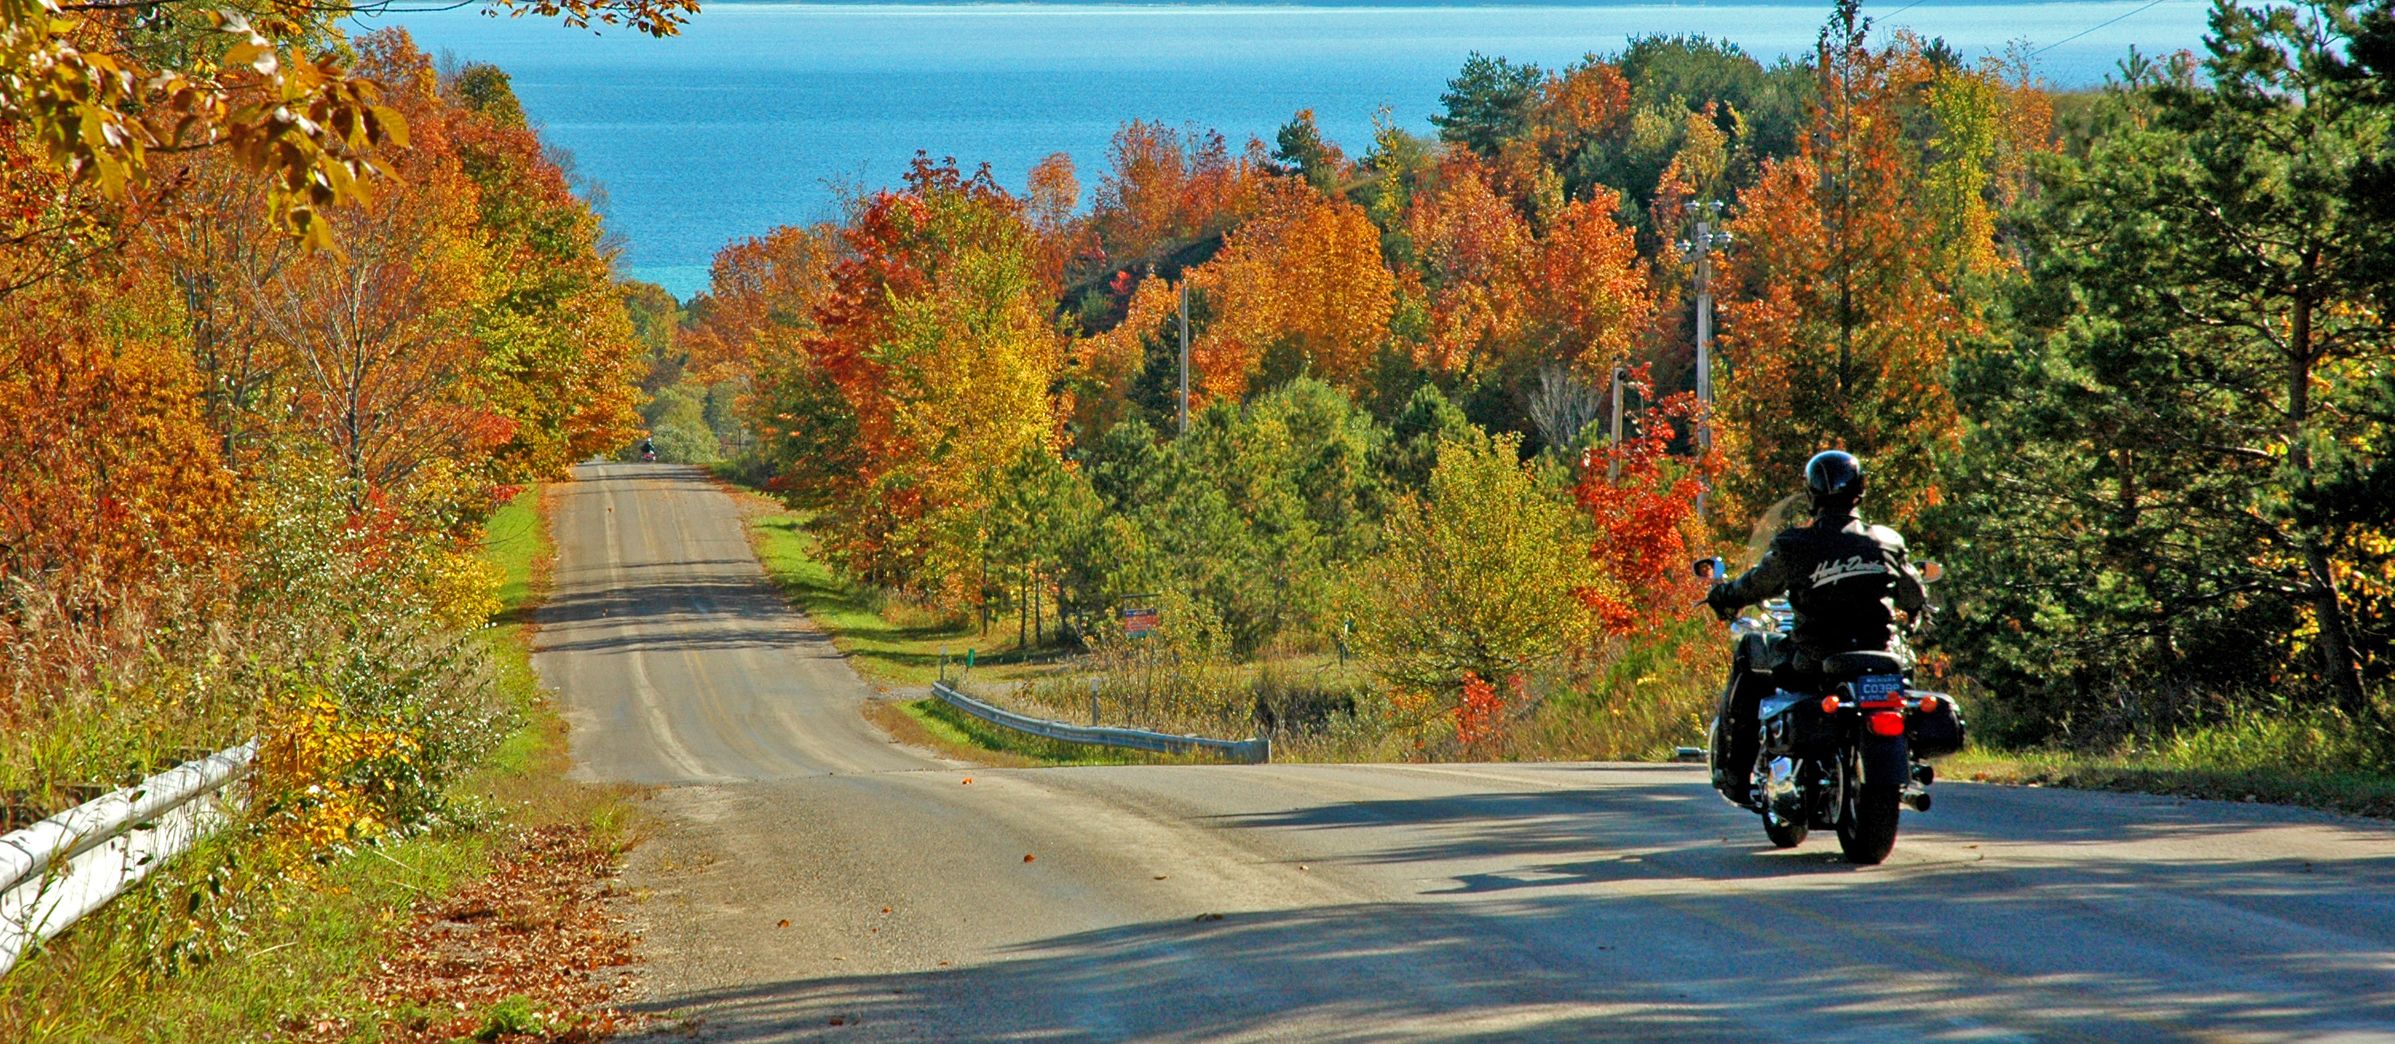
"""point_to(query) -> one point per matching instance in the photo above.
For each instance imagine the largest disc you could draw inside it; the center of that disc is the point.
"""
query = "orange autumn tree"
(113, 475)
(1164, 187)
(1100, 384)
(1589, 300)
(382, 335)
(761, 302)
(1836, 321)
(1299, 288)
(1474, 251)
(1051, 203)
(1570, 111)
(928, 373)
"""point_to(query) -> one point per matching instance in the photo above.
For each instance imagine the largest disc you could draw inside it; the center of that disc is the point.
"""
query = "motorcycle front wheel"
(1788, 836)
(1867, 825)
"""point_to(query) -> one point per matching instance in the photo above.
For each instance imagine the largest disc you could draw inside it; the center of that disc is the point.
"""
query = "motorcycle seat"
(1857, 664)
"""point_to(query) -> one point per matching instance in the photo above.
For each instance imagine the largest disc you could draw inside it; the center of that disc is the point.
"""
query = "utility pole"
(1613, 471)
(1184, 355)
(1698, 249)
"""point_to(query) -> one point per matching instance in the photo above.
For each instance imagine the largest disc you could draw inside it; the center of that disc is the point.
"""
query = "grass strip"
(2356, 793)
(893, 648)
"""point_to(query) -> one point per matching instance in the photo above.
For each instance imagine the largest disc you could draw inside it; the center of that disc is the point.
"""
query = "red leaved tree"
(1643, 499)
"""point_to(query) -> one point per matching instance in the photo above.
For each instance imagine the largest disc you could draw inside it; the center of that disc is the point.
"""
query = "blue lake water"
(759, 114)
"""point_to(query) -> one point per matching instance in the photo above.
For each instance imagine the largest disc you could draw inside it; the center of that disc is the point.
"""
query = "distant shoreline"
(1187, 5)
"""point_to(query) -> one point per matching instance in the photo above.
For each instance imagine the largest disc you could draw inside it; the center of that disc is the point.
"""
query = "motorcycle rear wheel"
(1867, 829)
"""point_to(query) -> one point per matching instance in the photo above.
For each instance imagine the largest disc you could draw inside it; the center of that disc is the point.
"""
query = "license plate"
(1871, 687)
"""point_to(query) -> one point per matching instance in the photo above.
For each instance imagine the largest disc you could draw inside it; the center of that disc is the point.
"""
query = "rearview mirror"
(1708, 568)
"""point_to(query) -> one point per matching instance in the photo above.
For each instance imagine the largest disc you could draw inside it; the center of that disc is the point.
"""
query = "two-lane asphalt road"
(1366, 902)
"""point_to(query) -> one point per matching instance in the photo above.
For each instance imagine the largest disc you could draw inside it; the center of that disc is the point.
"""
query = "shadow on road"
(1624, 911)
(1374, 971)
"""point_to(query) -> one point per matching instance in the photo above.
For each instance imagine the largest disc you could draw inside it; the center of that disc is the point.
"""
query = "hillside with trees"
(2122, 367)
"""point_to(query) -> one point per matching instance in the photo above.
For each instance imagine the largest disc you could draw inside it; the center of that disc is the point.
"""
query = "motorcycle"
(648, 456)
(1846, 758)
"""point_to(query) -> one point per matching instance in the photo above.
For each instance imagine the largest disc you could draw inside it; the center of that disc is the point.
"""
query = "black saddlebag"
(1936, 733)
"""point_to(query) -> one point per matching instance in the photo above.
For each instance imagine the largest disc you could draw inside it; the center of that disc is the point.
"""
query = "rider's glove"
(1721, 610)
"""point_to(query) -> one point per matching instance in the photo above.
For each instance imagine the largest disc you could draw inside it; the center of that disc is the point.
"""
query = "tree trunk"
(2337, 657)
(2338, 661)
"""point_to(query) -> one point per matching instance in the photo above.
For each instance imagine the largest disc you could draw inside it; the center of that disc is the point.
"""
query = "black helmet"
(1834, 478)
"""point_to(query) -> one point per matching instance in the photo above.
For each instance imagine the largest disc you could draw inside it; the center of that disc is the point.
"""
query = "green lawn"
(899, 648)
(516, 539)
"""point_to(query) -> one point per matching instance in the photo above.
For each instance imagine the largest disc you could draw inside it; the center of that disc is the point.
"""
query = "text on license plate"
(1878, 686)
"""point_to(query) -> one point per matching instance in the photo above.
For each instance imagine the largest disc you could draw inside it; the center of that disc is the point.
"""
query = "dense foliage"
(247, 468)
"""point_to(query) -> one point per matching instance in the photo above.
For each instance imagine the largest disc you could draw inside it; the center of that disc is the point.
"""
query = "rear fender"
(1884, 759)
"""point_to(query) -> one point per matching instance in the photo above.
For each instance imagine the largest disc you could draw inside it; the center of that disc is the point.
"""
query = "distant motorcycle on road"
(1846, 758)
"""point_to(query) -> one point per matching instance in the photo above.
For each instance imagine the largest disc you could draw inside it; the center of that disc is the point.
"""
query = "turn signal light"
(1929, 705)
(1887, 723)
(1830, 705)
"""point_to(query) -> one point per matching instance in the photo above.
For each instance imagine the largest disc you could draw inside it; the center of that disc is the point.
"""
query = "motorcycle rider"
(1844, 578)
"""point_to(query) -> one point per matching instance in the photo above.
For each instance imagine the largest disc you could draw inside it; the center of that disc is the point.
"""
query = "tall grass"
(1630, 699)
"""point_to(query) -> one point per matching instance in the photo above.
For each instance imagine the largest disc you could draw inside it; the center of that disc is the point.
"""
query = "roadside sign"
(1139, 622)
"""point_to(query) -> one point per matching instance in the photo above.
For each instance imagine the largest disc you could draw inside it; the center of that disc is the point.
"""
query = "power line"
(2149, 5)
(1900, 10)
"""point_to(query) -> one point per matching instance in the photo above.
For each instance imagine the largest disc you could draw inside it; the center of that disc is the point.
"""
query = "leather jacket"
(1845, 580)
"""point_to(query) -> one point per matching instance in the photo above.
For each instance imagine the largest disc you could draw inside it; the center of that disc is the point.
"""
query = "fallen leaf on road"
(885, 909)
(1028, 857)
(785, 923)
(968, 781)
(1301, 866)
(1208, 917)
(837, 1020)
(1160, 877)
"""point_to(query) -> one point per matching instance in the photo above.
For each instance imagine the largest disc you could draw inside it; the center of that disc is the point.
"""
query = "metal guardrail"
(1248, 751)
(55, 871)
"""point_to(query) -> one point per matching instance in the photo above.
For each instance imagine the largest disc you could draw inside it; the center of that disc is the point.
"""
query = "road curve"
(1372, 902)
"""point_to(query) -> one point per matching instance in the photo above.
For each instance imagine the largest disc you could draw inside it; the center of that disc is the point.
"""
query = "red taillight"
(1887, 723)
(1829, 705)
